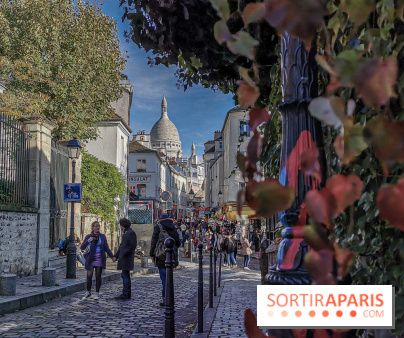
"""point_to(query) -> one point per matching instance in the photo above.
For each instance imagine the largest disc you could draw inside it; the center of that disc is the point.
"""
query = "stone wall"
(18, 239)
(144, 232)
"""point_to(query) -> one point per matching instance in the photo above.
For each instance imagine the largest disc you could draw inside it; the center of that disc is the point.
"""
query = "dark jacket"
(93, 246)
(126, 251)
(168, 226)
(229, 245)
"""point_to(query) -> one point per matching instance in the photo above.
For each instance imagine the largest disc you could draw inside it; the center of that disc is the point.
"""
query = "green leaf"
(222, 8)
(221, 32)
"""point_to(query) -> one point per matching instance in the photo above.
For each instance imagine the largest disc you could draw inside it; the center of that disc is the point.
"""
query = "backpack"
(65, 244)
(160, 250)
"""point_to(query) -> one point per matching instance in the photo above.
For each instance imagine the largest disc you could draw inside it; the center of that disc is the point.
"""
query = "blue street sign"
(72, 192)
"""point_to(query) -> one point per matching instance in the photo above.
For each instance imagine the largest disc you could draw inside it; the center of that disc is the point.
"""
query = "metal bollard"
(214, 276)
(169, 329)
(220, 267)
(211, 277)
(200, 291)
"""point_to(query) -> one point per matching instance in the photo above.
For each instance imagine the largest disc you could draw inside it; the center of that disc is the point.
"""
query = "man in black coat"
(168, 225)
(125, 256)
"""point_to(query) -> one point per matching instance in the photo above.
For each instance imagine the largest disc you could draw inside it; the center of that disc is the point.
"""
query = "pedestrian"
(229, 245)
(95, 258)
(166, 224)
(125, 256)
(246, 246)
(183, 230)
(256, 240)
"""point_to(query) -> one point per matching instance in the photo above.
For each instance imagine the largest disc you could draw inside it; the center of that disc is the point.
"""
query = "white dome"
(164, 130)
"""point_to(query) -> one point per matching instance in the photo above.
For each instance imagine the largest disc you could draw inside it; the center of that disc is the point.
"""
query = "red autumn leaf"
(321, 206)
(254, 148)
(309, 162)
(268, 197)
(300, 18)
(240, 201)
(375, 81)
(246, 94)
(257, 116)
(344, 258)
(319, 265)
(253, 12)
(241, 162)
(390, 203)
(387, 140)
(346, 190)
(251, 328)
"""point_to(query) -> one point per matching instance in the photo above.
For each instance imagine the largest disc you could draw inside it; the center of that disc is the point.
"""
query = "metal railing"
(14, 162)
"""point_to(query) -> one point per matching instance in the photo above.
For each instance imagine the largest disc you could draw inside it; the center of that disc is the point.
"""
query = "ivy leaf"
(321, 109)
(390, 203)
(309, 162)
(321, 206)
(375, 81)
(387, 140)
(221, 32)
(246, 94)
(221, 7)
(268, 197)
(253, 12)
(358, 10)
(319, 266)
(243, 44)
(300, 18)
(346, 190)
(257, 116)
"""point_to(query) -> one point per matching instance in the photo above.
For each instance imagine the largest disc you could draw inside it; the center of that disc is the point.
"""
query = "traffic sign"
(165, 196)
(72, 192)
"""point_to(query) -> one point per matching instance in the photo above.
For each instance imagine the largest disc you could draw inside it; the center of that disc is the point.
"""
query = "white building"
(112, 144)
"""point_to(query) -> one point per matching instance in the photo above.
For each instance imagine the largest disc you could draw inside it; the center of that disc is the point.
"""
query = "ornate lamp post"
(300, 131)
(74, 149)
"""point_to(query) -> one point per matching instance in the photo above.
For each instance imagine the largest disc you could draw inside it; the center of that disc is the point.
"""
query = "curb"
(17, 303)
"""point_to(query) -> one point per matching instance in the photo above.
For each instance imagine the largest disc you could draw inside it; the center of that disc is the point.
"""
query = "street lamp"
(74, 149)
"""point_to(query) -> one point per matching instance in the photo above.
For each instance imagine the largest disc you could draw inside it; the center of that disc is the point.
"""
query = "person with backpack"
(125, 256)
(230, 246)
(95, 258)
(161, 232)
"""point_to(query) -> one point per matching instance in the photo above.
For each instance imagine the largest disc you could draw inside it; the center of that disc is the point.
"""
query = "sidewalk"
(30, 291)
(226, 318)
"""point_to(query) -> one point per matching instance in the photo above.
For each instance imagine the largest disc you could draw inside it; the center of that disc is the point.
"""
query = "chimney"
(218, 134)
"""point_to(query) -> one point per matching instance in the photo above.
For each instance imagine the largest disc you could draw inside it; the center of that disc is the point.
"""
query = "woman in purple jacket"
(95, 258)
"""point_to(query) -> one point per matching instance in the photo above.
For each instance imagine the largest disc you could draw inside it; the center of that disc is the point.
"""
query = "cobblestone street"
(141, 316)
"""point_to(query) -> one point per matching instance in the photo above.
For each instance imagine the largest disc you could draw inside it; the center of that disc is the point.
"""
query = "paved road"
(140, 317)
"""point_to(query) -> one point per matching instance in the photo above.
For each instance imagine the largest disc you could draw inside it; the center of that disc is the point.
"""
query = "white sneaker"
(97, 296)
(247, 268)
(86, 295)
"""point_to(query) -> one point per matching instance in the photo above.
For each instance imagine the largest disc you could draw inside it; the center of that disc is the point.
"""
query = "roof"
(236, 109)
(164, 129)
(135, 146)
(116, 117)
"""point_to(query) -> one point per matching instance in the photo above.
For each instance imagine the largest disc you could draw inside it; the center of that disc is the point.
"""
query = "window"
(244, 128)
(141, 166)
(220, 145)
(141, 138)
(141, 190)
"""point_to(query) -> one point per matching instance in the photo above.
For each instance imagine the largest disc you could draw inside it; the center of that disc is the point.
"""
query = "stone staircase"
(55, 260)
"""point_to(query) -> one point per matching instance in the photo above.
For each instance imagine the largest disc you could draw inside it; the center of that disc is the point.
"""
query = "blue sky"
(197, 113)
